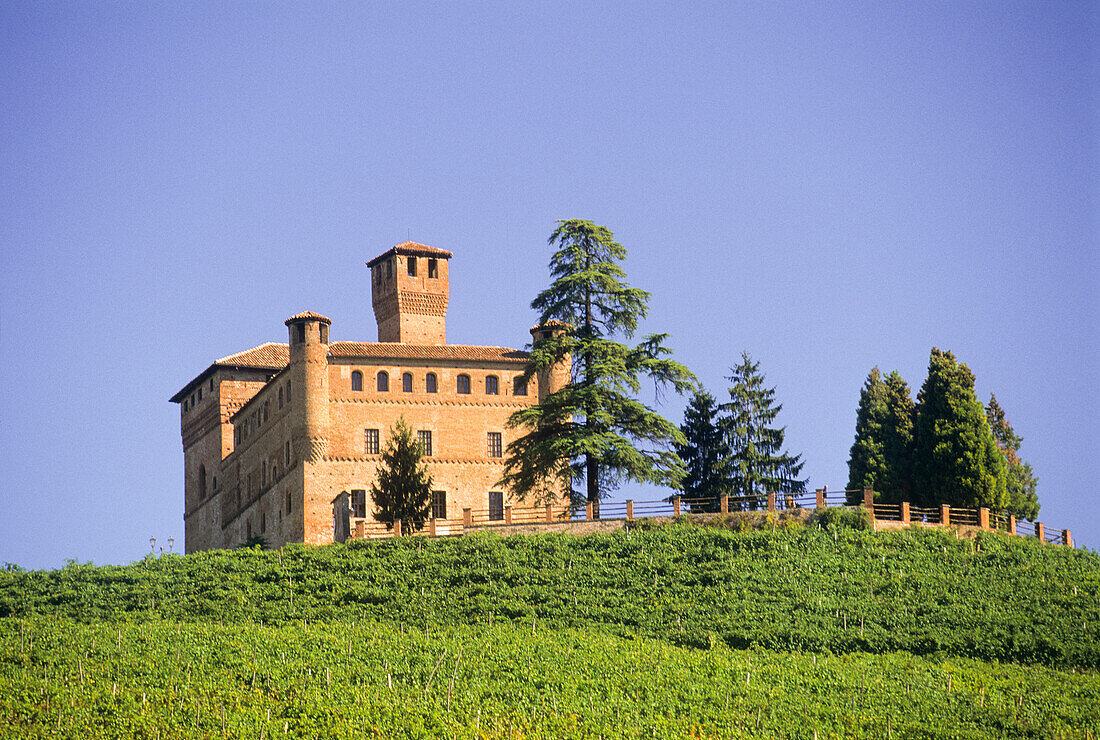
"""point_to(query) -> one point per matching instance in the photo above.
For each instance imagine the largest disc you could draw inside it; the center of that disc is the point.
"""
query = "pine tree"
(705, 453)
(593, 433)
(1022, 498)
(759, 464)
(956, 460)
(403, 489)
(897, 484)
(867, 459)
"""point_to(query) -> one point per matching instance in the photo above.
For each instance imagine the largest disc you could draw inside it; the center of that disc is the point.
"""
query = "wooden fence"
(543, 517)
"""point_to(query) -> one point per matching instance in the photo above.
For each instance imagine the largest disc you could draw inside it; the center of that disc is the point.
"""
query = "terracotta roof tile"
(270, 355)
(310, 315)
(413, 248)
(397, 350)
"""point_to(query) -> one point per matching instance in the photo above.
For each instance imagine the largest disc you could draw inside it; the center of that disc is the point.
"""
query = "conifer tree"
(403, 489)
(593, 433)
(705, 453)
(867, 459)
(897, 437)
(759, 463)
(956, 460)
(1021, 480)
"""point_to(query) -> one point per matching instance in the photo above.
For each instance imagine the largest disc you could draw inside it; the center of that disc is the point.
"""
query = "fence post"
(771, 500)
(983, 518)
(945, 514)
(507, 514)
(549, 514)
(1040, 531)
(1012, 524)
(904, 512)
(588, 511)
(724, 503)
(396, 527)
(868, 498)
(820, 502)
(431, 527)
(629, 509)
(467, 518)
(676, 506)
(1067, 538)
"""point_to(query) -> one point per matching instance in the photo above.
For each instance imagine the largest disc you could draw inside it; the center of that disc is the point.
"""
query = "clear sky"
(830, 186)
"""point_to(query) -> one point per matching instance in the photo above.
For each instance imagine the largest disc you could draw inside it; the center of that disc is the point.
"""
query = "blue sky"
(830, 186)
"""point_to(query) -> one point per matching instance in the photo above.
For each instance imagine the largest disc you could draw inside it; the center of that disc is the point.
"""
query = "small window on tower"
(433, 272)
(356, 381)
(411, 262)
(463, 384)
(430, 383)
(495, 444)
(370, 441)
(425, 439)
(383, 381)
(407, 382)
(301, 333)
(519, 388)
(324, 333)
(492, 385)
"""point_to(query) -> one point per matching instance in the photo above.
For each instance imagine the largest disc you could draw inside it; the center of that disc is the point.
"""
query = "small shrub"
(852, 517)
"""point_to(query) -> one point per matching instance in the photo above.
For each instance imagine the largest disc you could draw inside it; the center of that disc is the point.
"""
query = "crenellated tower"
(409, 292)
(309, 380)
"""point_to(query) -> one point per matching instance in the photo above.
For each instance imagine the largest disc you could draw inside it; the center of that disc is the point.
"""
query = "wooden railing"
(536, 517)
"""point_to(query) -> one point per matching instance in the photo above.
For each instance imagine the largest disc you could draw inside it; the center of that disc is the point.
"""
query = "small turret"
(557, 377)
(308, 371)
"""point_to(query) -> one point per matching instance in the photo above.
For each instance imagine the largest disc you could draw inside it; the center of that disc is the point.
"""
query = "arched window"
(383, 381)
(202, 482)
(492, 385)
(356, 380)
(463, 383)
(407, 382)
(519, 388)
(430, 383)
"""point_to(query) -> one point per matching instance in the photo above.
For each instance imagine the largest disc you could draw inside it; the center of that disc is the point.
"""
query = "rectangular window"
(288, 502)
(492, 385)
(425, 439)
(359, 504)
(433, 268)
(288, 391)
(519, 388)
(288, 452)
(439, 504)
(495, 444)
(370, 441)
(430, 383)
(496, 505)
(411, 262)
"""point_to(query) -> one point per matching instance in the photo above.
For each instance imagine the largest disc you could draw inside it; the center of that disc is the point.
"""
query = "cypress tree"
(705, 454)
(759, 463)
(1021, 483)
(866, 459)
(897, 483)
(403, 489)
(956, 458)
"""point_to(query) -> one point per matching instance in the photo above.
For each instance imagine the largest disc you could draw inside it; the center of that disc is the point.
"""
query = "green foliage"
(956, 459)
(759, 463)
(882, 454)
(593, 433)
(705, 453)
(403, 488)
(509, 680)
(866, 460)
(256, 540)
(1021, 483)
(850, 517)
(815, 589)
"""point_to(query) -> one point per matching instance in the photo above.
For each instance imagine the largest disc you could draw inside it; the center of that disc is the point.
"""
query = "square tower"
(409, 292)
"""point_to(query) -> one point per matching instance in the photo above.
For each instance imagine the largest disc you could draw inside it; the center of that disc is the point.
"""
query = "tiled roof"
(270, 355)
(309, 315)
(413, 248)
(551, 324)
(398, 351)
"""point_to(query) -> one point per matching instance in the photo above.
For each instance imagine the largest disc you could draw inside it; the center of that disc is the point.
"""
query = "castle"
(273, 435)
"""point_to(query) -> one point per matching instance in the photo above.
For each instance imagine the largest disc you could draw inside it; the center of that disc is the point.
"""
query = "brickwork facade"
(273, 435)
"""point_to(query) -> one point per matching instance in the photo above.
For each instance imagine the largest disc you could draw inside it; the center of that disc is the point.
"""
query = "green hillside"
(673, 632)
